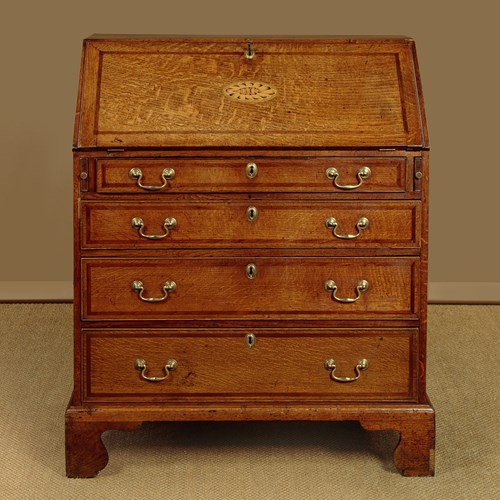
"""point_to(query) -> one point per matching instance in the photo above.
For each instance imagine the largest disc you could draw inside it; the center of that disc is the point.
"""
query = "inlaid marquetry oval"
(250, 92)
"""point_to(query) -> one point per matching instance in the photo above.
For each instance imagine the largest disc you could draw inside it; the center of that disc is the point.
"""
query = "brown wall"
(41, 43)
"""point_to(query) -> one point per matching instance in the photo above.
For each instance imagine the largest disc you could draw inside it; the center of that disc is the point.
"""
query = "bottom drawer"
(269, 366)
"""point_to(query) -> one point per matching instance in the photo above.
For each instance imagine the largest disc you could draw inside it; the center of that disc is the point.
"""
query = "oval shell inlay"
(250, 92)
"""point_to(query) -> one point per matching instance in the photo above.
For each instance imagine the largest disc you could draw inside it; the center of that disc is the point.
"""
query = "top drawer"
(232, 175)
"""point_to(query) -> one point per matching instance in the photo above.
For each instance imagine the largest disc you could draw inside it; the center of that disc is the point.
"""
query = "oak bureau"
(250, 237)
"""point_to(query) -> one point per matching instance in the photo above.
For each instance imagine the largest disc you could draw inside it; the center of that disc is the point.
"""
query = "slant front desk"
(250, 237)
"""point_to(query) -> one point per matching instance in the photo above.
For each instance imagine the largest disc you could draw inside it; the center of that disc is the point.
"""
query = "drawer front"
(202, 175)
(279, 364)
(253, 288)
(259, 223)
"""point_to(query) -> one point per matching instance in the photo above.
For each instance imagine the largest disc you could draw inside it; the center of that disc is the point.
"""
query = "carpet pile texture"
(249, 460)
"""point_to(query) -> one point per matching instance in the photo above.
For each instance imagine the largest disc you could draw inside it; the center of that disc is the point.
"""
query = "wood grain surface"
(291, 288)
(228, 175)
(279, 224)
(219, 364)
(172, 94)
(196, 106)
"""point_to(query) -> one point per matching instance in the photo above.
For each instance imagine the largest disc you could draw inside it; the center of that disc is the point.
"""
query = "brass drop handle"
(170, 366)
(168, 287)
(168, 224)
(331, 286)
(363, 174)
(332, 366)
(167, 175)
(361, 225)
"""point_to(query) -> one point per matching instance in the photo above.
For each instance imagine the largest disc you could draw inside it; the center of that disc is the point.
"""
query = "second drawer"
(254, 224)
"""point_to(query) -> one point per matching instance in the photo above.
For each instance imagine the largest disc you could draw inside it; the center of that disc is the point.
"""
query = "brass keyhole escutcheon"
(249, 51)
(251, 271)
(252, 214)
(251, 170)
(250, 340)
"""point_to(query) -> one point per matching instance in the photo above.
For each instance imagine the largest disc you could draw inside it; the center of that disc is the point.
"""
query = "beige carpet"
(245, 460)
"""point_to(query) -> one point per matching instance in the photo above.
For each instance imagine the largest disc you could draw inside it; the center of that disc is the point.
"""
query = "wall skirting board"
(439, 292)
(466, 292)
(36, 291)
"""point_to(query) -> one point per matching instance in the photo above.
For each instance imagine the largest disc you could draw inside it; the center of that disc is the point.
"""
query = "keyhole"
(251, 170)
(251, 271)
(252, 213)
(250, 340)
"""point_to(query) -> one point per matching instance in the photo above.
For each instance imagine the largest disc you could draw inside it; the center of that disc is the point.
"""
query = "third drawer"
(261, 287)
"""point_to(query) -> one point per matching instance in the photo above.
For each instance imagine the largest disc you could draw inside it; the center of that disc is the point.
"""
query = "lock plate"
(252, 214)
(251, 170)
(251, 271)
(250, 340)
